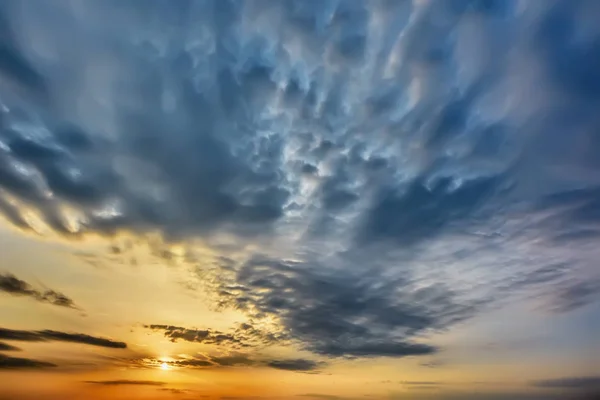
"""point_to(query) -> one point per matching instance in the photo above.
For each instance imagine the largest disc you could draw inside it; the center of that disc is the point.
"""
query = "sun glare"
(164, 366)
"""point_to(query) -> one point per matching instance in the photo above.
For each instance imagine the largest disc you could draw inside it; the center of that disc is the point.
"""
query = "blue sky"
(302, 188)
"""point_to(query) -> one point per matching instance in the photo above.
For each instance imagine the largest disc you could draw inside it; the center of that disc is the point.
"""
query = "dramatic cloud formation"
(7, 362)
(16, 287)
(48, 335)
(364, 173)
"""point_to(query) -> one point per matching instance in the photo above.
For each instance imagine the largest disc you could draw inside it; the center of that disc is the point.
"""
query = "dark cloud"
(7, 362)
(8, 347)
(17, 287)
(124, 382)
(299, 364)
(241, 360)
(584, 382)
(344, 315)
(244, 335)
(416, 171)
(49, 335)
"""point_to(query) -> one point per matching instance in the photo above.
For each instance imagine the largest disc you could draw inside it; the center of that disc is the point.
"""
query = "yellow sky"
(117, 299)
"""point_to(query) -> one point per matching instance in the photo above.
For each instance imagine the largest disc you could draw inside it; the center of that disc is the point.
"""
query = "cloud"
(299, 364)
(244, 335)
(337, 315)
(174, 391)
(574, 295)
(124, 382)
(7, 362)
(8, 347)
(395, 167)
(17, 287)
(243, 360)
(584, 382)
(49, 335)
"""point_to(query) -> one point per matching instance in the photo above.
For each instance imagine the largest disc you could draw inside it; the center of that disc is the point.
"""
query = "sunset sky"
(299, 199)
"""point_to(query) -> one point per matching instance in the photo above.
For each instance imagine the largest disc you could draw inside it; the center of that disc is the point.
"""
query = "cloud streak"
(17, 287)
(10, 363)
(8, 347)
(57, 336)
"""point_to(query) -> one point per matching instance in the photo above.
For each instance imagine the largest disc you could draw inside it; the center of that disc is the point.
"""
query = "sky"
(299, 199)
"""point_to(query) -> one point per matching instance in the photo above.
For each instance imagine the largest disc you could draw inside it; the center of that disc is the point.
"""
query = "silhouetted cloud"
(7, 362)
(124, 382)
(8, 347)
(295, 365)
(580, 382)
(243, 360)
(17, 287)
(244, 335)
(49, 335)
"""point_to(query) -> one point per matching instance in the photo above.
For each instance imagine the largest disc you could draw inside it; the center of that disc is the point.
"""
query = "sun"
(164, 366)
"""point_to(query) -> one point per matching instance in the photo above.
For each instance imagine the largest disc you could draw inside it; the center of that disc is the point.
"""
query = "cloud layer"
(366, 172)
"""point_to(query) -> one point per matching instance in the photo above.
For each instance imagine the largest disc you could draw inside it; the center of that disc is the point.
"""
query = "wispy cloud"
(17, 287)
(8, 347)
(296, 365)
(243, 360)
(49, 335)
(8, 363)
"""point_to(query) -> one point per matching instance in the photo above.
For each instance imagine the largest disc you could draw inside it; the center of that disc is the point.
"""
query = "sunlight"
(164, 366)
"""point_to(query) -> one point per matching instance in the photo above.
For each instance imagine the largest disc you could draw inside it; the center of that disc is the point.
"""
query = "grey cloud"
(300, 364)
(9, 363)
(243, 336)
(50, 335)
(344, 315)
(17, 287)
(574, 295)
